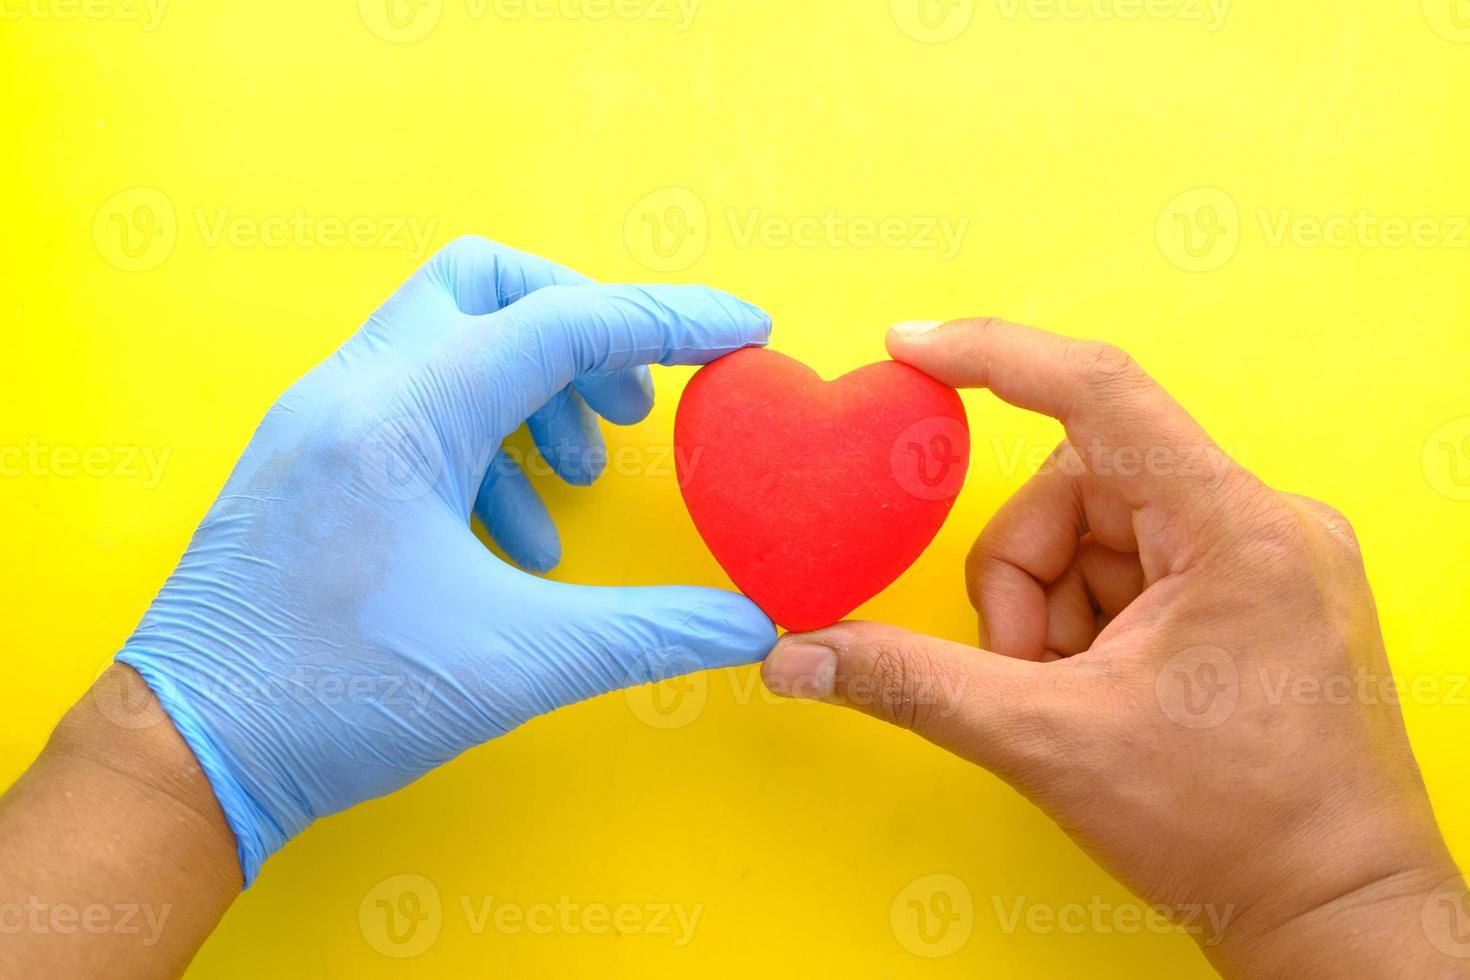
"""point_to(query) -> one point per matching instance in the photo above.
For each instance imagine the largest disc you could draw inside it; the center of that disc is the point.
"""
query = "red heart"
(812, 495)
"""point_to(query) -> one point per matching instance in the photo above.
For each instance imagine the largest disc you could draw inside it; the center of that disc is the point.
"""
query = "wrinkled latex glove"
(335, 630)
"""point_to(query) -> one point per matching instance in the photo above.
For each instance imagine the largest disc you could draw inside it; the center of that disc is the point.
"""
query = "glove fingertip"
(705, 322)
(752, 324)
(541, 557)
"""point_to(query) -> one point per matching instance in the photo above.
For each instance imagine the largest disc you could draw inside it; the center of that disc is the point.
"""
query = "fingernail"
(801, 670)
(912, 328)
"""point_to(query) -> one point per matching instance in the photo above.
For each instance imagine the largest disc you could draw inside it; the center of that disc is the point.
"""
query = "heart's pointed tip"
(808, 625)
(789, 617)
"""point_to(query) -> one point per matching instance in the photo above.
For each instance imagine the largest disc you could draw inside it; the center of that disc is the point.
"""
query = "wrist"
(197, 698)
(1414, 922)
(113, 851)
(119, 742)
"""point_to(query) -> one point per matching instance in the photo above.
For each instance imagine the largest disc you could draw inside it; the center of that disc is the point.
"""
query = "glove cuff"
(256, 835)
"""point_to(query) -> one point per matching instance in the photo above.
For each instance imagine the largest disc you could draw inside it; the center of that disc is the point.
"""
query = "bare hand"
(1182, 666)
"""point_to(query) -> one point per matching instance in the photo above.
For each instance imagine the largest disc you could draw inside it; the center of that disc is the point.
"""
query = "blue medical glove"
(335, 630)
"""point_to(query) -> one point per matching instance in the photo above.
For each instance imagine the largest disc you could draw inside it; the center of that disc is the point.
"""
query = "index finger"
(528, 351)
(1127, 429)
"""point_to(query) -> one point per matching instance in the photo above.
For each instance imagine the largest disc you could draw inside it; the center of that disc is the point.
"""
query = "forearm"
(115, 858)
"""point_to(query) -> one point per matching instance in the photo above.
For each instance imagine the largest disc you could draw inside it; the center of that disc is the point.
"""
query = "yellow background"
(1079, 149)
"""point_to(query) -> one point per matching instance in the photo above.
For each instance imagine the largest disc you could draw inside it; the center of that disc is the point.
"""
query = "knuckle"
(894, 666)
(1331, 521)
(987, 330)
(976, 558)
(465, 245)
(554, 294)
(1275, 542)
(1106, 365)
(1345, 535)
(983, 567)
(984, 324)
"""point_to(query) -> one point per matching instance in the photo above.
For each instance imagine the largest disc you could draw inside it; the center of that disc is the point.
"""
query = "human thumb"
(977, 704)
(592, 640)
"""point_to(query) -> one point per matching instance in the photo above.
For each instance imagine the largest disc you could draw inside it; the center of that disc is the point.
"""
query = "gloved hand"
(335, 630)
